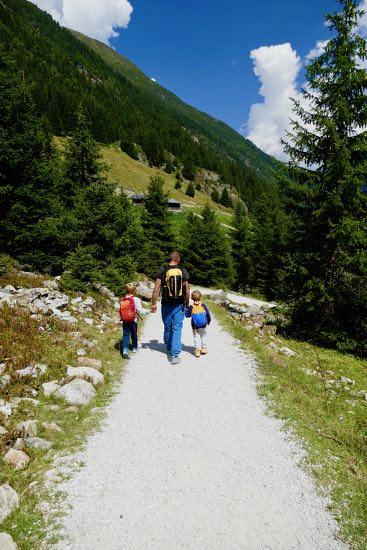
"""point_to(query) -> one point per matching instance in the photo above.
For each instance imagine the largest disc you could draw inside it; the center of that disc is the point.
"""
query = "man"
(173, 280)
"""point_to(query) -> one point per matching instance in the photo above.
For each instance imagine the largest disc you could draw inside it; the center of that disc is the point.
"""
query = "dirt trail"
(188, 459)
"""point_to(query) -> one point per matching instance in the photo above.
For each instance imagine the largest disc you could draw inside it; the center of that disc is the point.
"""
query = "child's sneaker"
(135, 350)
(197, 353)
(204, 351)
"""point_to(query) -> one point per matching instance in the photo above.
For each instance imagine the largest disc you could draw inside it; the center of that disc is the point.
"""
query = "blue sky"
(200, 50)
(207, 52)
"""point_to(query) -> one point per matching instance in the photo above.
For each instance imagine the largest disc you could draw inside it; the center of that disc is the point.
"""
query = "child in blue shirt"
(200, 319)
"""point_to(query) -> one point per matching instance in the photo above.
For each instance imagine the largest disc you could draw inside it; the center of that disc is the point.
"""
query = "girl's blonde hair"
(130, 288)
(195, 295)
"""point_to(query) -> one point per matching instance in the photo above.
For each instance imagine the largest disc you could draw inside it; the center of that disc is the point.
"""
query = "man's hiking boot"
(175, 360)
(125, 355)
(197, 353)
(204, 351)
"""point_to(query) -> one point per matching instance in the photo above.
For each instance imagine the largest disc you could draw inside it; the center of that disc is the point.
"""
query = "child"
(200, 318)
(130, 309)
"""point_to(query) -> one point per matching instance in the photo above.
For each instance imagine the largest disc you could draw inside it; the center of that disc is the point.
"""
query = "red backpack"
(127, 309)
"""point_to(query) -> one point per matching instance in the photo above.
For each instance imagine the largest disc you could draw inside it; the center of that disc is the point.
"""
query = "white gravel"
(188, 459)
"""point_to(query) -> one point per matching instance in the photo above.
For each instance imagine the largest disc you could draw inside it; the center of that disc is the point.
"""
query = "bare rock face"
(9, 500)
(19, 459)
(89, 362)
(77, 392)
(86, 373)
(6, 542)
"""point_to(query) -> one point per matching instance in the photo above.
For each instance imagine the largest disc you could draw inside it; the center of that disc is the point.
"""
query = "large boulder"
(9, 500)
(89, 362)
(218, 296)
(86, 373)
(144, 290)
(6, 542)
(77, 392)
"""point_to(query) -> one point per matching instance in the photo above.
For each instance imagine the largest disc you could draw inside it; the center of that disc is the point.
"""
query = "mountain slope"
(67, 72)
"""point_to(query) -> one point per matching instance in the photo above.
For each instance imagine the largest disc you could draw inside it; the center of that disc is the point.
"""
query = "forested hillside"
(65, 73)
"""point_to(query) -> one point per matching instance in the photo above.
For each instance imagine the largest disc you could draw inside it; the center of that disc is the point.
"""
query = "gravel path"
(187, 459)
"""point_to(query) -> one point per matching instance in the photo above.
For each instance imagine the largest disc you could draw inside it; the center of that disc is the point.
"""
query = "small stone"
(51, 284)
(19, 459)
(33, 371)
(9, 500)
(49, 388)
(76, 300)
(72, 409)
(19, 445)
(288, 352)
(87, 373)
(52, 427)
(38, 443)
(3, 431)
(81, 352)
(5, 380)
(52, 407)
(89, 362)
(6, 409)
(7, 542)
(2, 368)
(27, 428)
(32, 488)
(346, 380)
(89, 321)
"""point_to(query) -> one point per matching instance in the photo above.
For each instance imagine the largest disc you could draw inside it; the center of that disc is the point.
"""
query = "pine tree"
(29, 204)
(158, 233)
(215, 196)
(242, 247)
(190, 191)
(82, 159)
(329, 261)
(225, 199)
(207, 250)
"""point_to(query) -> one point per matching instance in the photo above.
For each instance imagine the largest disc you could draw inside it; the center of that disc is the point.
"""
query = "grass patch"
(24, 340)
(327, 415)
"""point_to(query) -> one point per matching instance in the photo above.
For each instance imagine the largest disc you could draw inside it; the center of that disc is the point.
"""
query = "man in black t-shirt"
(173, 281)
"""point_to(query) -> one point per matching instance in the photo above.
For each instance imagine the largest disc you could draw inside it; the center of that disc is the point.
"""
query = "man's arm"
(156, 289)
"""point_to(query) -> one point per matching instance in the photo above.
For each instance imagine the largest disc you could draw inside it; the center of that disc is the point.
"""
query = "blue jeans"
(130, 329)
(172, 317)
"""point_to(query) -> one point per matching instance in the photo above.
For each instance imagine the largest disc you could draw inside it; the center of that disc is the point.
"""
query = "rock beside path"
(9, 500)
(89, 362)
(76, 392)
(86, 373)
(16, 458)
(6, 542)
(38, 443)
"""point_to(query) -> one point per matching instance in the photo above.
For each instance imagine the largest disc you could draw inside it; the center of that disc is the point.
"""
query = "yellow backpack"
(172, 283)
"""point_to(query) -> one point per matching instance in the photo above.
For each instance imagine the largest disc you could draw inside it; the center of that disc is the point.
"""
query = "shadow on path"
(155, 345)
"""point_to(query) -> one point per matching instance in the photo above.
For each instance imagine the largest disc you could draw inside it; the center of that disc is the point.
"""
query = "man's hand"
(156, 289)
(153, 309)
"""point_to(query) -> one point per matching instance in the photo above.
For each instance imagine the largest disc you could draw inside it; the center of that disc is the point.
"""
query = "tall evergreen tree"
(157, 228)
(28, 202)
(190, 191)
(329, 286)
(225, 199)
(242, 247)
(207, 250)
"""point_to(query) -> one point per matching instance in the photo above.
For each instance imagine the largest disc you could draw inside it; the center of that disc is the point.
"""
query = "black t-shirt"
(185, 278)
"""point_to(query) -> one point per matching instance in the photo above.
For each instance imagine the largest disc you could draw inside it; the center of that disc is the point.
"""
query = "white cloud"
(317, 50)
(95, 18)
(362, 23)
(277, 68)
(153, 79)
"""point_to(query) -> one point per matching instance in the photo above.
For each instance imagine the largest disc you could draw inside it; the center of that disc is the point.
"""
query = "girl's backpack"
(198, 316)
(127, 309)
